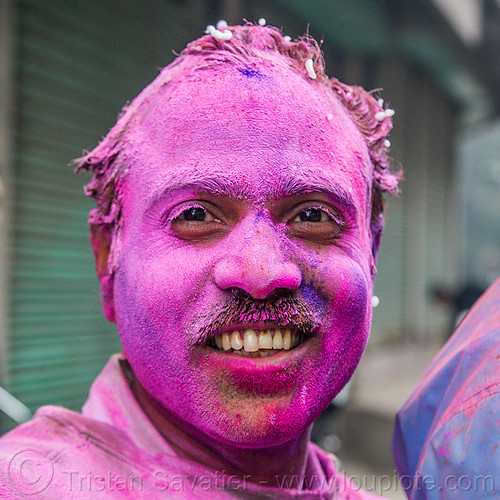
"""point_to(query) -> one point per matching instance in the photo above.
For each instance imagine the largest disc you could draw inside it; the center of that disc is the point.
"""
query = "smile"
(258, 343)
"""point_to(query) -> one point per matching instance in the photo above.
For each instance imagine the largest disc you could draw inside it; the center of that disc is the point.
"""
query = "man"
(239, 214)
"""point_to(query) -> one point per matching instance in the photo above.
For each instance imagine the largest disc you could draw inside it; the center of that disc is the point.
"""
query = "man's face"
(246, 208)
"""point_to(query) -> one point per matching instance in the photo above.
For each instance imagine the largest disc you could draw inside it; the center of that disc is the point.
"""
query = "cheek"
(157, 292)
(164, 289)
(346, 287)
(338, 275)
(150, 318)
(340, 287)
(349, 320)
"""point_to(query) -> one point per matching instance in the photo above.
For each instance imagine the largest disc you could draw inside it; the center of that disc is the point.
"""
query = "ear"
(377, 231)
(100, 240)
(377, 223)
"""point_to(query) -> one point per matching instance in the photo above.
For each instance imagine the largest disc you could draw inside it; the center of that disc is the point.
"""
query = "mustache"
(283, 310)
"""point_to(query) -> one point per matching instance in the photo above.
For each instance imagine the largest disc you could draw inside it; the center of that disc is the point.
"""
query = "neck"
(267, 465)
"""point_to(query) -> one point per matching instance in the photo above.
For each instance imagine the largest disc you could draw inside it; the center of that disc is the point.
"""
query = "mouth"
(253, 343)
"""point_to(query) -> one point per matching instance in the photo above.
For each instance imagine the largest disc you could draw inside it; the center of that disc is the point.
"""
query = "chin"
(263, 421)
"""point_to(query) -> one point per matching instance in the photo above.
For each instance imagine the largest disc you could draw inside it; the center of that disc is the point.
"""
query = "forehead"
(259, 130)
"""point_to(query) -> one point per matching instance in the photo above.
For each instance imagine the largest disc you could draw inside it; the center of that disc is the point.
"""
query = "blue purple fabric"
(447, 435)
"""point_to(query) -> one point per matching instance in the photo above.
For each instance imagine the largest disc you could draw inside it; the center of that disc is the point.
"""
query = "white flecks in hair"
(287, 38)
(375, 301)
(220, 35)
(381, 102)
(329, 117)
(382, 115)
(221, 25)
(387, 143)
(310, 69)
(262, 21)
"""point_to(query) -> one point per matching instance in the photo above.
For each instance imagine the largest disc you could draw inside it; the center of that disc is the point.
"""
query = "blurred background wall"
(68, 66)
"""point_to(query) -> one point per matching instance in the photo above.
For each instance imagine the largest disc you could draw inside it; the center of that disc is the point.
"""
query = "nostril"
(256, 278)
(289, 277)
(228, 274)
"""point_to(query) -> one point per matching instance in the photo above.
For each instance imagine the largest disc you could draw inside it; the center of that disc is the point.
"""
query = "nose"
(257, 265)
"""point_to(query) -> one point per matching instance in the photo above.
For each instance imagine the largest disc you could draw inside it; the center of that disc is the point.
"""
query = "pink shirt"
(112, 450)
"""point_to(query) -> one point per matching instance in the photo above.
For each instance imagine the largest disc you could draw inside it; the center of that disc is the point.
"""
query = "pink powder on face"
(249, 46)
(255, 136)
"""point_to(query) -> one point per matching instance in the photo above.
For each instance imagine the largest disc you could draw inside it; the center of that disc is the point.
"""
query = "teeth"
(226, 342)
(258, 343)
(287, 340)
(218, 341)
(265, 340)
(277, 340)
(236, 343)
(251, 341)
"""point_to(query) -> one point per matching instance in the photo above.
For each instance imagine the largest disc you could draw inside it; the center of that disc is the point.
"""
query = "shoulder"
(49, 453)
(56, 428)
(62, 454)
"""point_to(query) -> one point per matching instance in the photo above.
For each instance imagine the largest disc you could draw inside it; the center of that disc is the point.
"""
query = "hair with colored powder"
(247, 43)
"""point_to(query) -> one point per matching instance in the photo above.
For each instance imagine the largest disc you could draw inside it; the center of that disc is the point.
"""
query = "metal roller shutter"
(388, 317)
(441, 188)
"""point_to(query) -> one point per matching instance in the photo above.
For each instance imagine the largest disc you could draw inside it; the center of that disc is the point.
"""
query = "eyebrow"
(334, 191)
(284, 186)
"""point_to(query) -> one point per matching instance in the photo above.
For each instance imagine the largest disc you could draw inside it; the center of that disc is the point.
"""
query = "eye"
(312, 215)
(318, 224)
(197, 223)
(197, 214)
